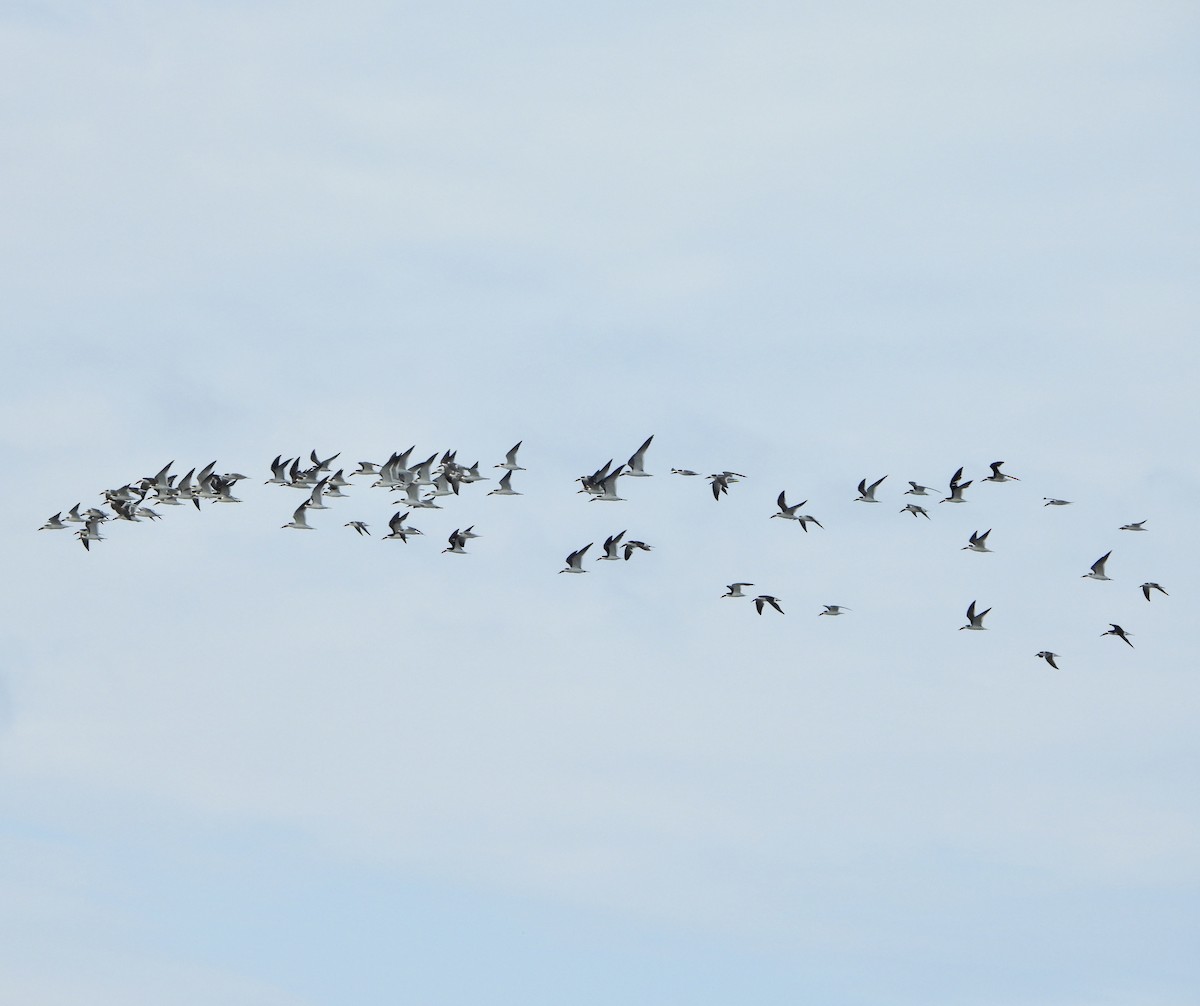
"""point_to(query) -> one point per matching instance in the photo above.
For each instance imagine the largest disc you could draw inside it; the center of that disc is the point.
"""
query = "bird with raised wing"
(975, 621)
(1097, 572)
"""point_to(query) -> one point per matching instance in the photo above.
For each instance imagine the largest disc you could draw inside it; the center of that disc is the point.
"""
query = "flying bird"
(916, 510)
(575, 560)
(785, 511)
(735, 589)
(633, 546)
(1139, 526)
(1117, 631)
(1049, 657)
(764, 599)
(1097, 572)
(999, 476)
(358, 526)
(638, 461)
(505, 487)
(299, 519)
(975, 621)
(866, 494)
(1051, 501)
(1147, 587)
(510, 459)
(978, 542)
(612, 546)
(832, 609)
(916, 490)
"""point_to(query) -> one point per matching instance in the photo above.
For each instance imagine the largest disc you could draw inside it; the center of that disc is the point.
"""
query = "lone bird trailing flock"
(423, 484)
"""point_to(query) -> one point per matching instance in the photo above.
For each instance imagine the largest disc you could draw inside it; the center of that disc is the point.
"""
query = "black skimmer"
(1117, 631)
(975, 621)
(866, 493)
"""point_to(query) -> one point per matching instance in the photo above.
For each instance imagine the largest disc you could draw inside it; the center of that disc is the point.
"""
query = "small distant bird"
(765, 599)
(397, 531)
(1139, 526)
(612, 546)
(735, 589)
(978, 542)
(806, 519)
(785, 511)
(1117, 631)
(54, 523)
(358, 526)
(916, 490)
(1097, 572)
(974, 621)
(457, 543)
(683, 471)
(366, 468)
(638, 460)
(607, 488)
(299, 519)
(510, 459)
(866, 493)
(999, 476)
(505, 487)
(956, 492)
(832, 609)
(720, 483)
(1051, 501)
(633, 546)
(575, 560)
(1147, 587)
(916, 510)
(1049, 657)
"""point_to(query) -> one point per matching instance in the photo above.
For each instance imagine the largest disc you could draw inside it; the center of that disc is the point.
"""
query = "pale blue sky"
(811, 244)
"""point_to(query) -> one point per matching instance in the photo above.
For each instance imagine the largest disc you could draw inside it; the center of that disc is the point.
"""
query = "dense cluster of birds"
(423, 483)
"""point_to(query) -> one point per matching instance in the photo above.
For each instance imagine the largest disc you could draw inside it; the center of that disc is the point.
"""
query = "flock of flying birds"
(424, 482)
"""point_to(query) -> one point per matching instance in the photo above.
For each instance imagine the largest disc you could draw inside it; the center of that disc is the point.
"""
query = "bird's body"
(833, 609)
(1049, 657)
(1139, 526)
(358, 526)
(735, 589)
(916, 490)
(916, 510)
(999, 476)
(1051, 501)
(763, 600)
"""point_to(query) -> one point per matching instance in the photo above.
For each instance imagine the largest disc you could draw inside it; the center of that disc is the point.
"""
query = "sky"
(808, 243)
